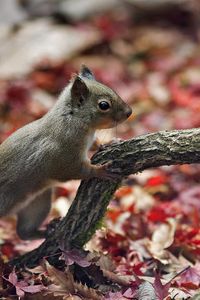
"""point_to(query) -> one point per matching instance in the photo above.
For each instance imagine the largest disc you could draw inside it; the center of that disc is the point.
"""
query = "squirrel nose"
(128, 111)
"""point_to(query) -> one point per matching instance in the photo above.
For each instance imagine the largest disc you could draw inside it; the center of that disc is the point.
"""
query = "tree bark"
(93, 196)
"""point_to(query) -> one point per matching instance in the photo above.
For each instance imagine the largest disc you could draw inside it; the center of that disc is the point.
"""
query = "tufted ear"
(79, 90)
(86, 72)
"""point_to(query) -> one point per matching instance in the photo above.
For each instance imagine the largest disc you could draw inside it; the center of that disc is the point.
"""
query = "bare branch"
(93, 196)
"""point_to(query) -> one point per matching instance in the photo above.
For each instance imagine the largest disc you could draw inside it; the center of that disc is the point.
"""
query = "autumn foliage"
(148, 246)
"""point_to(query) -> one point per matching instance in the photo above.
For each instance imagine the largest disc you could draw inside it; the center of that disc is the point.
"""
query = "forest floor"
(149, 244)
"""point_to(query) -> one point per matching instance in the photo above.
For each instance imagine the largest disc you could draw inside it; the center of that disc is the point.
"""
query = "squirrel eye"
(104, 105)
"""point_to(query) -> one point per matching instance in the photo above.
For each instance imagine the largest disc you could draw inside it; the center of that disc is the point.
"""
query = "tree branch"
(93, 196)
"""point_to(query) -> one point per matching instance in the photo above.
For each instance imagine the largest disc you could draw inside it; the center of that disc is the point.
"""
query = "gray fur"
(53, 149)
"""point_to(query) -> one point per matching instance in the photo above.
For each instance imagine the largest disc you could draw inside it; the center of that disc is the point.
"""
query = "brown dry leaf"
(87, 293)
(123, 280)
(7, 228)
(64, 285)
(41, 296)
(106, 263)
(108, 268)
(161, 239)
(36, 270)
(63, 282)
(71, 298)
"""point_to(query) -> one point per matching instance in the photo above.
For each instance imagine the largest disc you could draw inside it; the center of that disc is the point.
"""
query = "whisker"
(116, 133)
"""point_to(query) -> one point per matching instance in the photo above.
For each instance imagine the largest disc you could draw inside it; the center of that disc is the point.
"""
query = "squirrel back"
(54, 148)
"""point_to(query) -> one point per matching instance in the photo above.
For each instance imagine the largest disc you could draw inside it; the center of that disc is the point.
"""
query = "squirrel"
(53, 149)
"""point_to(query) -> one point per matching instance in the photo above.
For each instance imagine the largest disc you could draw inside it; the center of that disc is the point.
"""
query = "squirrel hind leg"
(31, 217)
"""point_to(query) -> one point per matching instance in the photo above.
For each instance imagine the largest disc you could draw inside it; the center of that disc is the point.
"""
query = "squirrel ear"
(86, 72)
(79, 90)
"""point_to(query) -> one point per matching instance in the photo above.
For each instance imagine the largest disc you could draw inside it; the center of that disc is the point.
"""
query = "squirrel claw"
(103, 171)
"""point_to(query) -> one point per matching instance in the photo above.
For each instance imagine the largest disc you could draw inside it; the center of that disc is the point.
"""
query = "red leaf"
(113, 214)
(12, 278)
(32, 289)
(19, 292)
(17, 93)
(22, 286)
(75, 256)
(162, 290)
(157, 214)
(62, 192)
(156, 180)
(191, 277)
(123, 191)
(7, 249)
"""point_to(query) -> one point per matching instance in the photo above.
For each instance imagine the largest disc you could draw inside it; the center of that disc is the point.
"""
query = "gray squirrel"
(54, 149)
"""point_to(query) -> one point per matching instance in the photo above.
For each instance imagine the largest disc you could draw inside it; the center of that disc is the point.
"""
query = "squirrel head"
(96, 104)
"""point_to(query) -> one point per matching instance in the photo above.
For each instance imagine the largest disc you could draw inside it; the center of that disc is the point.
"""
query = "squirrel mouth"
(123, 115)
(122, 118)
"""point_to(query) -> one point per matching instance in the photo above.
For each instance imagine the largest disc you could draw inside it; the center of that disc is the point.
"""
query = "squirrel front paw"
(104, 171)
(99, 171)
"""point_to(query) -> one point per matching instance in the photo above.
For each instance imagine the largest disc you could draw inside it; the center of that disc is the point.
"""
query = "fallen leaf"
(161, 239)
(146, 291)
(75, 256)
(190, 278)
(22, 286)
(161, 290)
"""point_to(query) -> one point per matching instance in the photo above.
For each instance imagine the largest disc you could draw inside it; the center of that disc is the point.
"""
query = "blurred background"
(149, 52)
